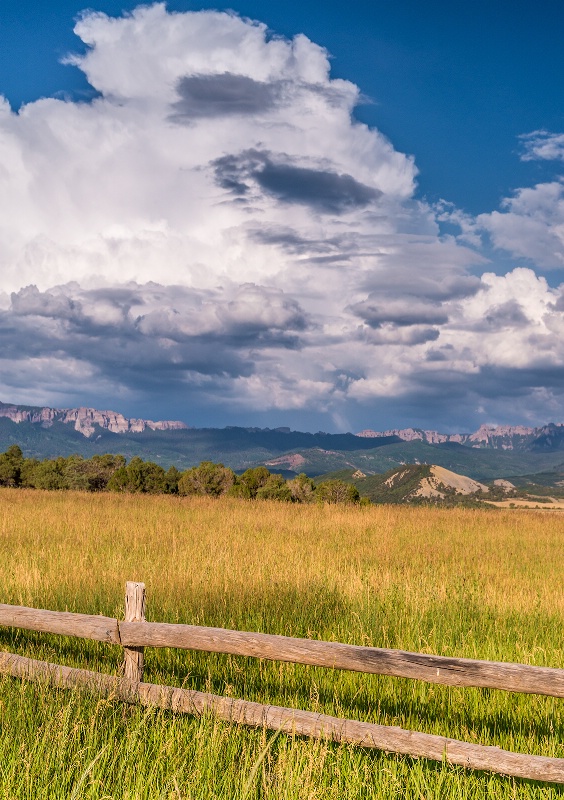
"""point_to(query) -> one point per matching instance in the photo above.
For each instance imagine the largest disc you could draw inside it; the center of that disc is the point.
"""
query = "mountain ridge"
(497, 437)
(84, 419)
(44, 432)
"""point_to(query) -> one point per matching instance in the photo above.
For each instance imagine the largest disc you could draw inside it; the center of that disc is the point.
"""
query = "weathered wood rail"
(135, 633)
(521, 678)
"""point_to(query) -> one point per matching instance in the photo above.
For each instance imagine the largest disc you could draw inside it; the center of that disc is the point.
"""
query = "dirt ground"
(553, 504)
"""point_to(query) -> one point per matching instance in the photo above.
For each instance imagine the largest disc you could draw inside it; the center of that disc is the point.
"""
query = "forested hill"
(183, 448)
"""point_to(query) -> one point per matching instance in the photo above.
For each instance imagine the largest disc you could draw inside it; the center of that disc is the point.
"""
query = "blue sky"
(456, 177)
(453, 84)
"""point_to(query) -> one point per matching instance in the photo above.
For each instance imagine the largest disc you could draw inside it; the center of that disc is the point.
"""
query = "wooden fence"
(135, 633)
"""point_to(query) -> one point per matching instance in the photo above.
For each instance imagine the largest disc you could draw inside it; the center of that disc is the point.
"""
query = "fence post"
(134, 612)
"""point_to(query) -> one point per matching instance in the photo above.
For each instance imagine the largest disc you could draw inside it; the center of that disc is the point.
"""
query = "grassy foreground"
(472, 583)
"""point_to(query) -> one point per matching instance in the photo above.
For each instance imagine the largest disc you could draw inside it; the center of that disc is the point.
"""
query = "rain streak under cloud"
(216, 237)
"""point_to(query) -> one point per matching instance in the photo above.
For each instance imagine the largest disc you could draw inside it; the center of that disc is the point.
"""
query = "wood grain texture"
(86, 626)
(133, 657)
(433, 669)
(291, 721)
(400, 663)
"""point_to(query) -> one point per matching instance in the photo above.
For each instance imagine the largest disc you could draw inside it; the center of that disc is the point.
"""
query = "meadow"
(477, 583)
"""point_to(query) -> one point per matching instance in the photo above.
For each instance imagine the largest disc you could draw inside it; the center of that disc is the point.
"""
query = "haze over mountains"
(488, 453)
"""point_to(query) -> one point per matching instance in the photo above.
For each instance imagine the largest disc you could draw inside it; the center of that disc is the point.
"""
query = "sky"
(327, 217)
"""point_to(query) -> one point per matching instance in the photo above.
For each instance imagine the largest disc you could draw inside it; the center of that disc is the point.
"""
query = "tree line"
(112, 473)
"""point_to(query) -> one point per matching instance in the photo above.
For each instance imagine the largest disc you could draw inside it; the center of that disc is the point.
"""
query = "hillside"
(479, 464)
(414, 484)
(235, 447)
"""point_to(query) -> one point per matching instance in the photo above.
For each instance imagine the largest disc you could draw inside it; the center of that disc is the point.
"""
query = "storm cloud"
(216, 237)
(323, 190)
(222, 95)
(403, 313)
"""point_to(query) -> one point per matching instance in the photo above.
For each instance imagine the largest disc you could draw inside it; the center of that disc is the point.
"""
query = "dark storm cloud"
(234, 172)
(489, 382)
(509, 382)
(227, 94)
(403, 313)
(395, 335)
(123, 355)
(402, 264)
(506, 315)
(426, 281)
(331, 248)
(143, 336)
(222, 95)
(323, 190)
(358, 244)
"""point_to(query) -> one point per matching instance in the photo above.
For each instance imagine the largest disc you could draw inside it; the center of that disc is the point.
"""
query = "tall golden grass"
(462, 582)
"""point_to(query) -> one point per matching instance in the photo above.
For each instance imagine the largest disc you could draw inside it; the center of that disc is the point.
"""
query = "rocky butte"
(84, 420)
(499, 437)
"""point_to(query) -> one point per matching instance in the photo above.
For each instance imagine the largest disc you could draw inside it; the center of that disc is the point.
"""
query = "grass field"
(473, 583)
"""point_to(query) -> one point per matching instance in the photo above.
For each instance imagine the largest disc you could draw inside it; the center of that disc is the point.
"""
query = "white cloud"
(531, 224)
(126, 186)
(542, 146)
(217, 227)
(469, 231)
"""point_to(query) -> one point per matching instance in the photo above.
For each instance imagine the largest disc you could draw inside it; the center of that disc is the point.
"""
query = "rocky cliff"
(496, 437)
(86, 420)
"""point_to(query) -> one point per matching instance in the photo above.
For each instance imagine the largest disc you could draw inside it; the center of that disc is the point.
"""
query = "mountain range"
(85, 420)
(488, 453)
(496, 437)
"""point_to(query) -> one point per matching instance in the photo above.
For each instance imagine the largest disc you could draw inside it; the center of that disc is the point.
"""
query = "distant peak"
(85, 419)
(499, 437)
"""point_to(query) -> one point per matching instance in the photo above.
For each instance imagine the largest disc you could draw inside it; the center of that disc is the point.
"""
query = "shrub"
(336, 491)
(138, 476)
(302, 489)
(207, 479)
(275, 488)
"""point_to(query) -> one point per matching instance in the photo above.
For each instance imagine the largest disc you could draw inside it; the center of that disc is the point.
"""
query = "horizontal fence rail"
(136, 633)
(289, 720)
(85, 626)
(374, 660)
(522, 678)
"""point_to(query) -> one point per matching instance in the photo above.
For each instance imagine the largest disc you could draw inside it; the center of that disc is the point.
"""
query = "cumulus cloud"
(216, 233)
(530, 224)
(542, 146)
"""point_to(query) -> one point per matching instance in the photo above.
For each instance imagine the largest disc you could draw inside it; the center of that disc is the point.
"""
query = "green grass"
(461, 582)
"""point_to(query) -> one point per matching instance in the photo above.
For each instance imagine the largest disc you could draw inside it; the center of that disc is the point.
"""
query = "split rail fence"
(135, 633)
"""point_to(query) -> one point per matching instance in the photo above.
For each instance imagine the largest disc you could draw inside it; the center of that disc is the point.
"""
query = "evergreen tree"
(11, 464)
